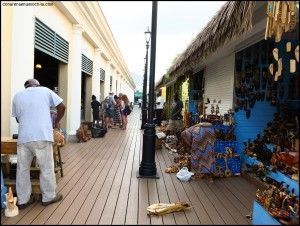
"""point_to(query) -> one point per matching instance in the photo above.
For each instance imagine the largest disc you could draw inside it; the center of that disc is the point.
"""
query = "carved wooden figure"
(11, 209)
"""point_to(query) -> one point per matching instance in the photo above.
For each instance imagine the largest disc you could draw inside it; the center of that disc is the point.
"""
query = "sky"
(178, 23)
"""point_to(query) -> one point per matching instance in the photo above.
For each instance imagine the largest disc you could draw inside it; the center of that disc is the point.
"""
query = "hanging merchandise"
(288, 47)
(275, 54)
(279, 72)
(281, 17)
(297, 53)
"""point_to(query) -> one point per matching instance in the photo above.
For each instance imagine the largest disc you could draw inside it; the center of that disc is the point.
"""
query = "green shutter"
(49, 42)
(102, 74)
(86, 65)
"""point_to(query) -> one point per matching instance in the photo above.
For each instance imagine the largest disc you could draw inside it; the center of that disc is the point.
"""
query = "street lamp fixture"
(147, 167)
(147, 35)
(144, 103)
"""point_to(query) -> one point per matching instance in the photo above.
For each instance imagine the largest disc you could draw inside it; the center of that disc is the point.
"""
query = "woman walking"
(125, 110)
(117, 114)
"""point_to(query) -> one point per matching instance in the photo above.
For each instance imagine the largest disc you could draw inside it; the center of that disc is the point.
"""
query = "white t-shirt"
(161, 101)
(32, 109)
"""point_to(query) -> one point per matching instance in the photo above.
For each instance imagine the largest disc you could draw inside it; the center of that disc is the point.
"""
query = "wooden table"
(9, 147)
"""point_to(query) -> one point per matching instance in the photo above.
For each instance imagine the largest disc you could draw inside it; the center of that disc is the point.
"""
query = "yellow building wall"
(164, 92)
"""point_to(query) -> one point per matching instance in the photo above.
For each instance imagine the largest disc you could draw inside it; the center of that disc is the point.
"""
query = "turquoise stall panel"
(246, 129)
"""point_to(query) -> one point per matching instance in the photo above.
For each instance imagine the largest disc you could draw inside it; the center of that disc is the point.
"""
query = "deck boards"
(100, 187)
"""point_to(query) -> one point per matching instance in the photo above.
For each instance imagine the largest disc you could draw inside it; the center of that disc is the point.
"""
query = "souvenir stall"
(267, 106)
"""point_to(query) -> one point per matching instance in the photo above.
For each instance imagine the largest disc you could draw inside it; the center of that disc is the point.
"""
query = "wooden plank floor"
(100, 187)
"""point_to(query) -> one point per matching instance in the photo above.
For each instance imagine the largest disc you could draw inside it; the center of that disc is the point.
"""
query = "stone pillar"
(96, 74)
(73, 107)
(22, 54)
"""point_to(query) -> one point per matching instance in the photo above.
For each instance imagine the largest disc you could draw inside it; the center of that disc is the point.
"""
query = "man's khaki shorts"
(175, 125)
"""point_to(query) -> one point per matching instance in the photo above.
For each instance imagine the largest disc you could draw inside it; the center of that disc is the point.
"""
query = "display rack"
(260, 216)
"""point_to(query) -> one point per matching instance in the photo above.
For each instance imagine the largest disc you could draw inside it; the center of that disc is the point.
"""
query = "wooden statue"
(83, 134)
(11, 209)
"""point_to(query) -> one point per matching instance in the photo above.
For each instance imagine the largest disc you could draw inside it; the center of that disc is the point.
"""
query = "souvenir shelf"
(260, 216)
(278, 176)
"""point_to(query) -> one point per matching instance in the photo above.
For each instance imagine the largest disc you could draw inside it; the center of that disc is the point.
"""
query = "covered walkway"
(100, 187)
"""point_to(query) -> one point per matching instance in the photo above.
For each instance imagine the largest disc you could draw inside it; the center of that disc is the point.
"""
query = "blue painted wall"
(245, 129)
(263, 112)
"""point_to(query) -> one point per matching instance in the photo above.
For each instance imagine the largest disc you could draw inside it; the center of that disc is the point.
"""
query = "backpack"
(127, 110)
(107, 103)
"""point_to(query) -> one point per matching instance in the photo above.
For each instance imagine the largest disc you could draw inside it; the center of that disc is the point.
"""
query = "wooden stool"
(57, 159)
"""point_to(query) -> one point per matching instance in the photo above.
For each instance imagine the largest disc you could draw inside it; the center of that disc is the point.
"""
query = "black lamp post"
(148, 167)
(144, 104)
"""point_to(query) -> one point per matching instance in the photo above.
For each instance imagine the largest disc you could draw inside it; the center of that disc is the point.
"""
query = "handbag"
(127, 110)
(98, 132)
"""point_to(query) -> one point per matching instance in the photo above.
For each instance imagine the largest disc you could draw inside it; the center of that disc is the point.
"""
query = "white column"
(113, 87)
(107, 78)
(22, 57)
(75, 81)
(96, 74)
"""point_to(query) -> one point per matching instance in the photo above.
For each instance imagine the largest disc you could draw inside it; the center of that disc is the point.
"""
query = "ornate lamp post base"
(148, 167)
(144, 118)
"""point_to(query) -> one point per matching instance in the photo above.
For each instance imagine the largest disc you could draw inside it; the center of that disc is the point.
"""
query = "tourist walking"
(95, 104)
(175, 123)
(108, 106)
(117, 113)
(125, 110)
(31, 107)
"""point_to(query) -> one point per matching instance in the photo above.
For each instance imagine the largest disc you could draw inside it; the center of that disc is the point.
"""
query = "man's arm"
(60, 113)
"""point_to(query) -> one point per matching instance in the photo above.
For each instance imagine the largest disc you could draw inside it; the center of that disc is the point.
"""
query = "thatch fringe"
(231, 21)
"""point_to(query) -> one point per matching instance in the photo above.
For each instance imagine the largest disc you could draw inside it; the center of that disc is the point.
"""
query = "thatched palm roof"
(232, 20)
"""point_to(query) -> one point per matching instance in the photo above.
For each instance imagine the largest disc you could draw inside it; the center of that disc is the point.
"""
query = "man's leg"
(107, 121)
(111, 120)
(23, 183)
(44, 155)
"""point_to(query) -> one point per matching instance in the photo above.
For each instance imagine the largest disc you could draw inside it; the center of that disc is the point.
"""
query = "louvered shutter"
(102, 74)
(86, 65)
(49, 42)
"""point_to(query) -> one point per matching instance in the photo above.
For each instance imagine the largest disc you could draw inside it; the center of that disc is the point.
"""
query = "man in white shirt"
(31, 108)
(159, 107)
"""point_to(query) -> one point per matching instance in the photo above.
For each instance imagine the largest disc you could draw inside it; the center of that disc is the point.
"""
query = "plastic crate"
(220, 146)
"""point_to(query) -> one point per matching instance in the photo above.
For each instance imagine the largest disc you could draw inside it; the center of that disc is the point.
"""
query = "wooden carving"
(11, 209)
